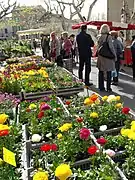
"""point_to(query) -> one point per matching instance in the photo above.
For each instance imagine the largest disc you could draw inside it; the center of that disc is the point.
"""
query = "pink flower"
(45, 107)
(110, 152)
(84, 133)
(102, 141)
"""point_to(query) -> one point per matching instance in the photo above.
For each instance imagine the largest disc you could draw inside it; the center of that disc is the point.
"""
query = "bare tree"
(6, 8)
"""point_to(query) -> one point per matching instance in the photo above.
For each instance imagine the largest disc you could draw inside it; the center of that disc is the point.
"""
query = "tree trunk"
(90, 9)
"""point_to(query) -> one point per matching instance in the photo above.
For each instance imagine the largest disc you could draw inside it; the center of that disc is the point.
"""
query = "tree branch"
(90, 9)
(6, 10)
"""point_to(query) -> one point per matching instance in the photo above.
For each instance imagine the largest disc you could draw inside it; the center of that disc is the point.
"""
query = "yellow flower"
(104, 98)
(59, 136)
(88, 101)
(125, 132)
(4, 127)
(132, 123)
(117, 98)
(97, 101)
(119, 105)
(40, 175)
(3, 118)
(32, 106)
(133, 127)
(131, 135)
(1, 161)
(63, 172)
(94, 115)
(65, 127)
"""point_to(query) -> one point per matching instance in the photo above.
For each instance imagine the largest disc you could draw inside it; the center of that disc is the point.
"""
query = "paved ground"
(126, 88)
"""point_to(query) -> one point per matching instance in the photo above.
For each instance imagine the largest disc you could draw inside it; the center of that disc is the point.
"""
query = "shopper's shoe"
(109, 90)
(88, 84)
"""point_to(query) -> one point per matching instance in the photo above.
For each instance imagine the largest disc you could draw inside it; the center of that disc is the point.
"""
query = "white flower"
(49, 135)
(103, 128)
(36, 138)
(111, 98)
(110, 152)
(54, 109)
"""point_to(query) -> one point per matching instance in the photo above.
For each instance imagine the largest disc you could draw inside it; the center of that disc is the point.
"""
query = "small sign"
(9, 157)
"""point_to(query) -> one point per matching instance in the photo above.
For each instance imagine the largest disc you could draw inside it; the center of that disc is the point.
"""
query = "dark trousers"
(133, 66)
(87, 62)
(117, 67)
(101, 80)
(59, 61)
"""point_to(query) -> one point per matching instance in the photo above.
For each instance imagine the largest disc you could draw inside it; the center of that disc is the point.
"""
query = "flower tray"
(66, 113)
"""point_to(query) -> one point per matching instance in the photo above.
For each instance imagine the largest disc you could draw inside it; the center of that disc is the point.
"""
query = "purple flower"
(44, 107)
(46, 98)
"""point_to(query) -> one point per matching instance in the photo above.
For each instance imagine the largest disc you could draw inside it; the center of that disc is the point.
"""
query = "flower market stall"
(53, 133)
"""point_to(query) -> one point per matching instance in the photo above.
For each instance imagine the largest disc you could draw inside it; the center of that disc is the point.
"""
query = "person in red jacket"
(66, 46)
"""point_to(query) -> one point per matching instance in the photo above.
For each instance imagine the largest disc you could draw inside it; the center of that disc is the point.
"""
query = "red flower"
(54, 147)
(84, 133)
(92, 150)
(94, 97)
(4, 132)
(40, 115)
(79, 119)
(45, 147)
(125, 110)
(102, 141)
(28, 110)
(68, 103)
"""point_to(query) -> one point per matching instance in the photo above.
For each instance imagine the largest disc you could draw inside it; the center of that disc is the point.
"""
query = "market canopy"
(113, 25)
(31, 31)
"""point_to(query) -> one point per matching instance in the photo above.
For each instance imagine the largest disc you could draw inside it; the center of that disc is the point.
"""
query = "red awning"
(113, 25)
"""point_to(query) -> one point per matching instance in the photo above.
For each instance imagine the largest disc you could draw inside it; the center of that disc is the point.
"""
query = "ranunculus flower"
(125, 110)
(63, 172)
(92, 150)
(117, 98)
(125, 132)
(45, 107)
(40, 115)
(49, 135)
(94, 115)
(84, 133)
(111, 98)
(119, 105)
(36, 138)
(65, 127)
(110, 152)
(54, 147)
(32, 106)
(40, 175)
(104, 98)
(1, 161)
(3, 118)
(88, 101)
(79, 119)
(94, 97)
(4, 132)
(59, 136)
(68, 103)
(103, 128)
(102, 141)
(45, 147)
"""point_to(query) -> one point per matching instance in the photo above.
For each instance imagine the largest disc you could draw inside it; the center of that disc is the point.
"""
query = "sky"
(100, 7)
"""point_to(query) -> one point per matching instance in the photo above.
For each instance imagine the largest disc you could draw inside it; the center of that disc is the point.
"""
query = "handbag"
(105, 50)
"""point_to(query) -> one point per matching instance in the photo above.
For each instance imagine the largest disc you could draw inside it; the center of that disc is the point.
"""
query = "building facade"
(114, 9)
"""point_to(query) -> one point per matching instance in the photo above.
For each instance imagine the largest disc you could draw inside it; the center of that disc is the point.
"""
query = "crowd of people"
(110, 52)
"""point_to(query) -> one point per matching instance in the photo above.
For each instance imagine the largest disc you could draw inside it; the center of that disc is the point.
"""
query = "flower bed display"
(29, 81)
(43, 118)
(96, 112)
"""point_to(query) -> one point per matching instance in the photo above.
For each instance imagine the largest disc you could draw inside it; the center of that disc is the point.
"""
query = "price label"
(9, 157)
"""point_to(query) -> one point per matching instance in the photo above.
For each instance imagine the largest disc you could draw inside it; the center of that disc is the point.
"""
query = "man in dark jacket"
(84, 43)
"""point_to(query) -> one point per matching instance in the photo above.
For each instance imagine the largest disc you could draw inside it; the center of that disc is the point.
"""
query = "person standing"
(54, 46)
(133, 56)
(118, 49)
(105, 64)
(34, 44)
(84, 44)
(66, 46)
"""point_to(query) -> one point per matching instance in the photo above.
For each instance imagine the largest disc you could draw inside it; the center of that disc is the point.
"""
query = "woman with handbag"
(106, 57)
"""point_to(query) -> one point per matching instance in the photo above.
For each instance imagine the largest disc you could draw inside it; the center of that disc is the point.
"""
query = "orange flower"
(94, 97)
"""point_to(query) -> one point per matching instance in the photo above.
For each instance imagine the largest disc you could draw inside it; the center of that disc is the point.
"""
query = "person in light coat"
(105, 65)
